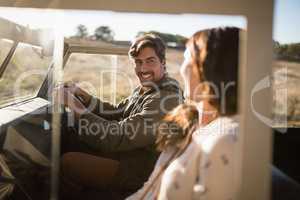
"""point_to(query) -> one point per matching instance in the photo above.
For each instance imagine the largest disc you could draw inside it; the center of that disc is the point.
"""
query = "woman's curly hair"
(177, 125)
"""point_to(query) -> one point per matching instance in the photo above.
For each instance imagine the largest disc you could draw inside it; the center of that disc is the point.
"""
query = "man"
(122, 137)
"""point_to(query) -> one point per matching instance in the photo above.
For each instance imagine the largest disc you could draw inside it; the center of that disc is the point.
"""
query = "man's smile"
(146, 76)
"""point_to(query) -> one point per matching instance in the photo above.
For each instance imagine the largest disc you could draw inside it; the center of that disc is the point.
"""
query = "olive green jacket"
(129, 129)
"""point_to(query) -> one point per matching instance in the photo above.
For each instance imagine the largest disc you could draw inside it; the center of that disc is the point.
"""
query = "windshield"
(24, 74)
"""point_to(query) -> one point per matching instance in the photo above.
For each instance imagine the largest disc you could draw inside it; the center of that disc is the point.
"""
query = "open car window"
(24, 74)
(111, 77)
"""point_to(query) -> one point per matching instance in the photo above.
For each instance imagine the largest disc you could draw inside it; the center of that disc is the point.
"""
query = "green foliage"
(82, 31)
(104, 33)
(288, 52)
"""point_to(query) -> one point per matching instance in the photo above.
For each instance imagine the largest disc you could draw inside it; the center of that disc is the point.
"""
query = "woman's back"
(204, 169)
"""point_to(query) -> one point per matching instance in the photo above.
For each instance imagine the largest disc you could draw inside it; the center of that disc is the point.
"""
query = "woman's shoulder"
(223, 130)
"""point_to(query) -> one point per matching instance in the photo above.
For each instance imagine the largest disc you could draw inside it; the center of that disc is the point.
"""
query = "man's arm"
(133, 132)
(107, 110)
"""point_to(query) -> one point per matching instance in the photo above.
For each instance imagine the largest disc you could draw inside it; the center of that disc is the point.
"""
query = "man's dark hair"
(148, 40)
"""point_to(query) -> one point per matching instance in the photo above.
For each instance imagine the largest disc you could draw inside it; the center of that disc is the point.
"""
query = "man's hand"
(82, 95)
(67, 98)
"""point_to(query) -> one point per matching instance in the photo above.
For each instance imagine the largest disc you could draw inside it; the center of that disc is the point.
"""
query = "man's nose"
(143, 67)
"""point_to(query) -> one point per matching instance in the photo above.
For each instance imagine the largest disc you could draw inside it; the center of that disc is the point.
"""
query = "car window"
(24, 74)
(286, 101)
(109, 77)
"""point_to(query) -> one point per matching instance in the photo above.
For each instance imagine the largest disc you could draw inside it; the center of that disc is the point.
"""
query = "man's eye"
(151, 61)
(138, 62)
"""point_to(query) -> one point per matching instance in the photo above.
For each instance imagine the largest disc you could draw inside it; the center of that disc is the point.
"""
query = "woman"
(198, 157)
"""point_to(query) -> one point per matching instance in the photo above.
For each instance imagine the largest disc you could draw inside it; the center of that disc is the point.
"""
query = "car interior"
(27, 133)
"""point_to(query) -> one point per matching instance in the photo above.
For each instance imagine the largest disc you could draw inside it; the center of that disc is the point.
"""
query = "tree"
(276, 49)
(293, 51)
(82, 31)
(289, 52)
(104, 33)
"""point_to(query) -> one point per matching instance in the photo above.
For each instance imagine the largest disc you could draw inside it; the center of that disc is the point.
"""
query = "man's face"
(148, 67)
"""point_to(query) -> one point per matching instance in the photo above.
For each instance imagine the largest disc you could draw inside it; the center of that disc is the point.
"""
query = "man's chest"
(135, 105)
